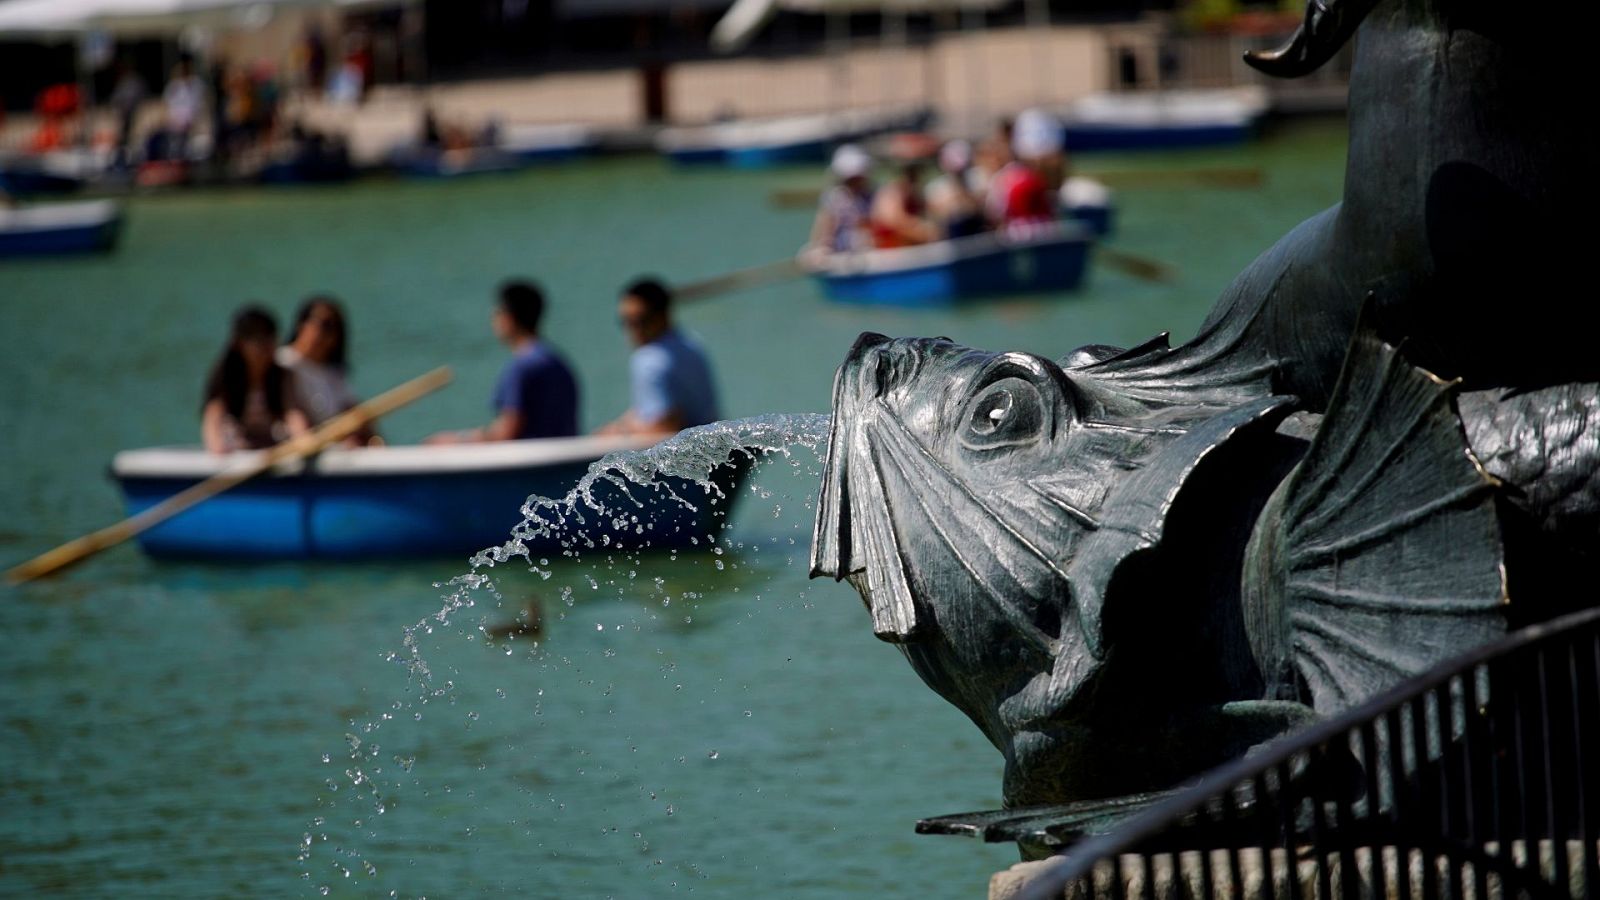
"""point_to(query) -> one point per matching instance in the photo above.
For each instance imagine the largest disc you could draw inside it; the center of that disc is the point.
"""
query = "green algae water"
(706, 723)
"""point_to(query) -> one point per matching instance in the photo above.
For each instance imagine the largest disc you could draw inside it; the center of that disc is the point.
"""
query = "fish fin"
(1380, 555)
(1135, 513)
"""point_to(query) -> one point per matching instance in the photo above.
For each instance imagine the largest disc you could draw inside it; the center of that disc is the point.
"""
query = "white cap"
(1035, 134)
(850, 161)
(955, 156)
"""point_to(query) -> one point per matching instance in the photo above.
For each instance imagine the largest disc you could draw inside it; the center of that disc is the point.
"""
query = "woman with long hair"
(248, 401)
(317, 355)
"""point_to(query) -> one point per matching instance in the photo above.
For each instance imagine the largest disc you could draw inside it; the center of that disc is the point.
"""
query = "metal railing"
(1479, 779)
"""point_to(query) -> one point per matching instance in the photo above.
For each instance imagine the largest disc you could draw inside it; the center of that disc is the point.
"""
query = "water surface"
(711, 723)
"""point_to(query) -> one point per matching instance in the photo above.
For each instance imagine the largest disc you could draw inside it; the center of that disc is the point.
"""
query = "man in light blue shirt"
(669, 375)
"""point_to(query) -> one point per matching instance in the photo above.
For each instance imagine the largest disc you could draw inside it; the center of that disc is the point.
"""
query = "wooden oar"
(740, 279)
(1141, 267)
(335, 429)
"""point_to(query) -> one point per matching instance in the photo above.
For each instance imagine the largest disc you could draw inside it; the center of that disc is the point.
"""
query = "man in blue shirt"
(536, 396)
(669, 375)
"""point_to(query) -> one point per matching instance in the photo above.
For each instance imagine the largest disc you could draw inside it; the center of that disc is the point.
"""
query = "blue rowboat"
(1163, 120)
(59, 228)
(1052, 257)
(409, 501)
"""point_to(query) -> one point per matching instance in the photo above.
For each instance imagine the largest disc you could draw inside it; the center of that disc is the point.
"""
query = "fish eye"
(1004, 413)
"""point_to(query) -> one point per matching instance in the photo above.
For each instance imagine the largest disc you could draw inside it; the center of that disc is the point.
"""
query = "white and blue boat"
(387, 502)
(1163, 120)
(547, 143)
(759, 143)
(59, 228)
(1050, 257)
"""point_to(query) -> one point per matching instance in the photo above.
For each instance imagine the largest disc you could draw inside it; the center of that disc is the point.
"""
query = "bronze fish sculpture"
(1383, 446)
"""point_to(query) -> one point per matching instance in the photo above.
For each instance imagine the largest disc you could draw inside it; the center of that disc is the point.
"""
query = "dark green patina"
(1382, 448)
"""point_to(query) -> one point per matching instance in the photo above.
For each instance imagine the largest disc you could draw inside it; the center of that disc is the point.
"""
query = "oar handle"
(739, 279)
(333, 430)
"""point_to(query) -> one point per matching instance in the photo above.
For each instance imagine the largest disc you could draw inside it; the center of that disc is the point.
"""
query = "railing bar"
(1425, 812)
(1208, 885)
(1317, 765)
(1586, 837)
(1288, 805)
(1519, 765)
(1119, 891)
(1265, 835)
(1469, 769)
(1552, 803)
(1397, 811)
(1444, 725)
(1147, 871)
(1371, 762)
(1342, 823)
(1230, 814)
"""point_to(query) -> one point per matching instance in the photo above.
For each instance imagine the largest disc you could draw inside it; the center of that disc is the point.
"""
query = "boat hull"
(1083, 138)
(968, 268)
(315, 513)
(69, 228)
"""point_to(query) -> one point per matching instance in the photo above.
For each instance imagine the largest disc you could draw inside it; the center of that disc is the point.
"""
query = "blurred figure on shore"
(537, 395)
(317, 355)
(181, 102)
(952, 203)
(127, 95)
(899, 214)
(669, 376)
(844, 214)
(1022, 196)
(249, 398)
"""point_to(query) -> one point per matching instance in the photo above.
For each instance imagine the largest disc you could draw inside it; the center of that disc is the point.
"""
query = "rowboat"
(1046, 257)
(1163, 119)
(412, 501)
(758, 143)
(56, 228)
(547, 143)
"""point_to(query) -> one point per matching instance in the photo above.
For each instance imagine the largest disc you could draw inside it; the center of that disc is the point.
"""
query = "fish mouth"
(846, 534)
(877, 472)
(1327, 26)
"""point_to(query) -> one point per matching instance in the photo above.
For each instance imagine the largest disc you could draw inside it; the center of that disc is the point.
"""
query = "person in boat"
(317, 356)
(537, 395)
(899, 214)
(993, 154)
(845, 212)
(952, 203)
(249, 399)
(669, 375)
(1022, 196)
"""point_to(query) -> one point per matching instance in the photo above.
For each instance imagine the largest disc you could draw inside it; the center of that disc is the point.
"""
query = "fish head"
(941, 505)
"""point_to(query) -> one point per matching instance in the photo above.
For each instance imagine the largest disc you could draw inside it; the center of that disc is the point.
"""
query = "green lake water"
(711, 724)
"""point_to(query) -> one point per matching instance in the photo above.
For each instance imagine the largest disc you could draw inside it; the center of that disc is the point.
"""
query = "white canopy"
(43, 18)
(747, 17)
